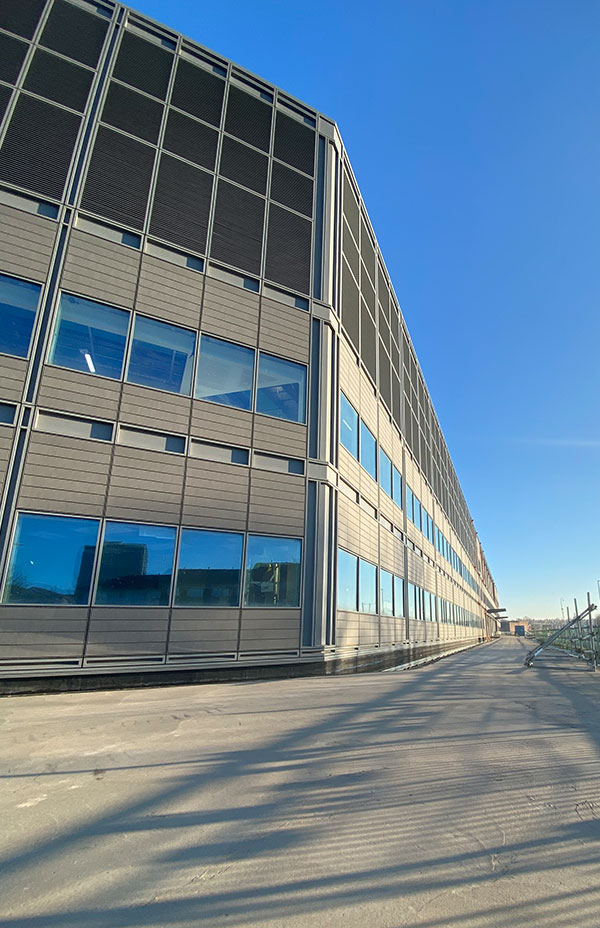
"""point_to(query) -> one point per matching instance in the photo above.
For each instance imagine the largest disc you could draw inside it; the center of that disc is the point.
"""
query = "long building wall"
(202, 352)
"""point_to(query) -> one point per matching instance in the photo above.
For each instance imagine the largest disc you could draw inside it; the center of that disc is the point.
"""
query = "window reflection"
(385, 472)
(398, 596)
(281, 388)
(136, 565)
(386, 592)
(347, 585)
(367, 587)
(368, 450)
(209, 569)
(225, 373)
(18, 305)
(51, 560)
(348, 426)
(272, 571)
(89, 337)
(162, 356)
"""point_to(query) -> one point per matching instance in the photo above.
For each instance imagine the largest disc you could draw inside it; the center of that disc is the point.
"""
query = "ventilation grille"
(367, 291)
(295, 143)
(197, 92)
(143, 65)
(367, 250)
(351, 209)
(5, 93)
(132, 112)
(238, 228)
(181, 204)
(244, 165)
(397, 398)
(12, 53)
(385, 377)
(248, 118)
(74, 33)
(350, 312)
(58, 80)
(38, 147)
(368, 342)
(289, 249)
(118, 178)
(351, 252)
(292, 189)
(190, 139)
(21, 16)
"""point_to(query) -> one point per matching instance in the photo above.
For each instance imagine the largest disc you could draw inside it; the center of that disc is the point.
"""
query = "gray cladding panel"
(216, 495)
(277, 503)
(100, 269)
(170, 292)
(145, 485)
(279, 436)
(269, 629)
(12, 378)
(64, 474)
(71, 391)
(155, 409)
(230, 312)
(217, 423)
(38, 632)
(6, 441)
(284, 331)
(127, 631)
(195, 630)
(26, 243)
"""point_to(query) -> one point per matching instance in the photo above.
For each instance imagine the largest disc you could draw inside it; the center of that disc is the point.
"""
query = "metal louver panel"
(397, 400)
(21, 16)
(292, 189)
(38, 146)
(118, 179)
(368, 342)
(181, 204)
(238, 228)
(367, 250)
(289, 249)
(244, 165)
(12, 54)
(248, 118)
(295, 143)
(58, 80)
(385, 377)
(74, 32)
(367, 291)
(350, 305)
(351, 212)
(351, 251)
(5, 93)
(143, 65)
(191, 139)
(131, 111)
(197, 92)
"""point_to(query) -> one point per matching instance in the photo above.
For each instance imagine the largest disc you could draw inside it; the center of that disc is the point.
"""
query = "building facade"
(216, 445)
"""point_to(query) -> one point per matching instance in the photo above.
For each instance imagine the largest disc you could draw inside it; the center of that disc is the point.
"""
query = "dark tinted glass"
(18, 305)
(162, 356)
(136, 565)
(51, 560)
(209, 570)
(272, 571)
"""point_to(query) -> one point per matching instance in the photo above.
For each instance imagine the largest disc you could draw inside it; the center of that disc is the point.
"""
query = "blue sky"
(473, 131)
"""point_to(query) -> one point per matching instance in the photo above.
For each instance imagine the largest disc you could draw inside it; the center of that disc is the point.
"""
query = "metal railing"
(579, 637)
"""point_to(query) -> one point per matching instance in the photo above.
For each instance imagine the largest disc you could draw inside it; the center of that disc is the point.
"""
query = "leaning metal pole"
(577, 618)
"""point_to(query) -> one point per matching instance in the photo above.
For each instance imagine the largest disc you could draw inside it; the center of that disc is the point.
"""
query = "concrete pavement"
(461, 794)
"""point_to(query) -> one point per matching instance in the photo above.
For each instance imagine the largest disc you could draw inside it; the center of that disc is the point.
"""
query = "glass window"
(397, 486)
(18, 306)
(409, 502)
(209, 569)
(136, 565)
(281, 388)
(412, 601)
(426, 607)
(398, 596)
(385, 472)
(347, 584)
(225, 373)
(417, 512)
(272, 571)
(386, 593)
(89, 337)
(162, 356)
(367, 587)
(348, 426)
(7, 413)
(368, 450)
(51, 560)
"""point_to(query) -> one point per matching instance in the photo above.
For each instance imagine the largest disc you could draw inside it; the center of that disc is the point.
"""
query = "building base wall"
(319, 665)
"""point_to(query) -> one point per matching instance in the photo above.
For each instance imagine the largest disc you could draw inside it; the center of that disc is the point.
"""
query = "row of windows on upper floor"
(68, 560)
(358, 439)
(358, 591)
(98, 339)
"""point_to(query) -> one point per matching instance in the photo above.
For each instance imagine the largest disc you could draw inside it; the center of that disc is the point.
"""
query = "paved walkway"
(462, 794)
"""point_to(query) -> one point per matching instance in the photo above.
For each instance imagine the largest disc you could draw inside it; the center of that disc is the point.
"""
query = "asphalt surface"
(463, 794)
